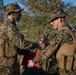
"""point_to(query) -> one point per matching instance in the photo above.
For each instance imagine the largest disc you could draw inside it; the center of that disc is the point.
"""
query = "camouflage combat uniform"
(59, 38)
(10, 41)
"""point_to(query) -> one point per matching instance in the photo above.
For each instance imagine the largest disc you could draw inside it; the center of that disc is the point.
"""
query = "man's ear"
(59, 19)
(51, 23)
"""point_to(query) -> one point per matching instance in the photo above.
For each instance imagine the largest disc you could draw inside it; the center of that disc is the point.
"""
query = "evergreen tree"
(41, 7)
(38, 21)
(44, 8)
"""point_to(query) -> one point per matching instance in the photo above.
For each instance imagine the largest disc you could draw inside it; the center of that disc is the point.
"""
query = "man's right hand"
(30, 63)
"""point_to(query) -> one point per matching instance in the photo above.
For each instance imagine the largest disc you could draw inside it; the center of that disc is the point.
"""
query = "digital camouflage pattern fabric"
(60, 37)
(56, 14)
(62, 45)
(12, 39)
(12, 7)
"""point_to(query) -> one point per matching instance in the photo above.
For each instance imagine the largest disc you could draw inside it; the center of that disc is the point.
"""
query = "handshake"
(28, 58)
(30, 63)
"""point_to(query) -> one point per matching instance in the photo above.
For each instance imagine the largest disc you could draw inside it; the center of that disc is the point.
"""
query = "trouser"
(31, 71)
(8, 71)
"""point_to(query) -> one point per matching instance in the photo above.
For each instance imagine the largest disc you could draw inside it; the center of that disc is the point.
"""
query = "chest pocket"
(1, 47)
(10, 50)
(66, 55)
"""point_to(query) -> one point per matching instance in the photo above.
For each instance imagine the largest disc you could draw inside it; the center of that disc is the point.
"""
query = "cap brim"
(56, 18)
(21, 9)
(7, 12)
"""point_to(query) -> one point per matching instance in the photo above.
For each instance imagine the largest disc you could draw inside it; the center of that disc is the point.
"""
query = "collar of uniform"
(8, 20)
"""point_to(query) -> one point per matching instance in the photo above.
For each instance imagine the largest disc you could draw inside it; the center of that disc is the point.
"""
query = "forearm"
(39, 58)
(46, 53)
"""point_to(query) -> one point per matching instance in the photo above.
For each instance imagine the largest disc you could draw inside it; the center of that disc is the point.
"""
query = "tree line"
(36, 19)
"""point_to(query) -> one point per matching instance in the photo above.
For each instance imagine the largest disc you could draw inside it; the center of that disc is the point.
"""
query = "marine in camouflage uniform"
(61, 36)
(11, 40)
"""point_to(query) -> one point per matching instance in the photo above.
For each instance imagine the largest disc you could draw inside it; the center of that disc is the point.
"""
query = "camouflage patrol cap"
(12, 7)
(56, 14)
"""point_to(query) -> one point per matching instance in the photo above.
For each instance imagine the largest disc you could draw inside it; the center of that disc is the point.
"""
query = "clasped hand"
(30, 63)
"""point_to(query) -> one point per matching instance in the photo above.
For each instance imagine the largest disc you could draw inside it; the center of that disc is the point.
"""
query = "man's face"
(54, 24)
(58, 23)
